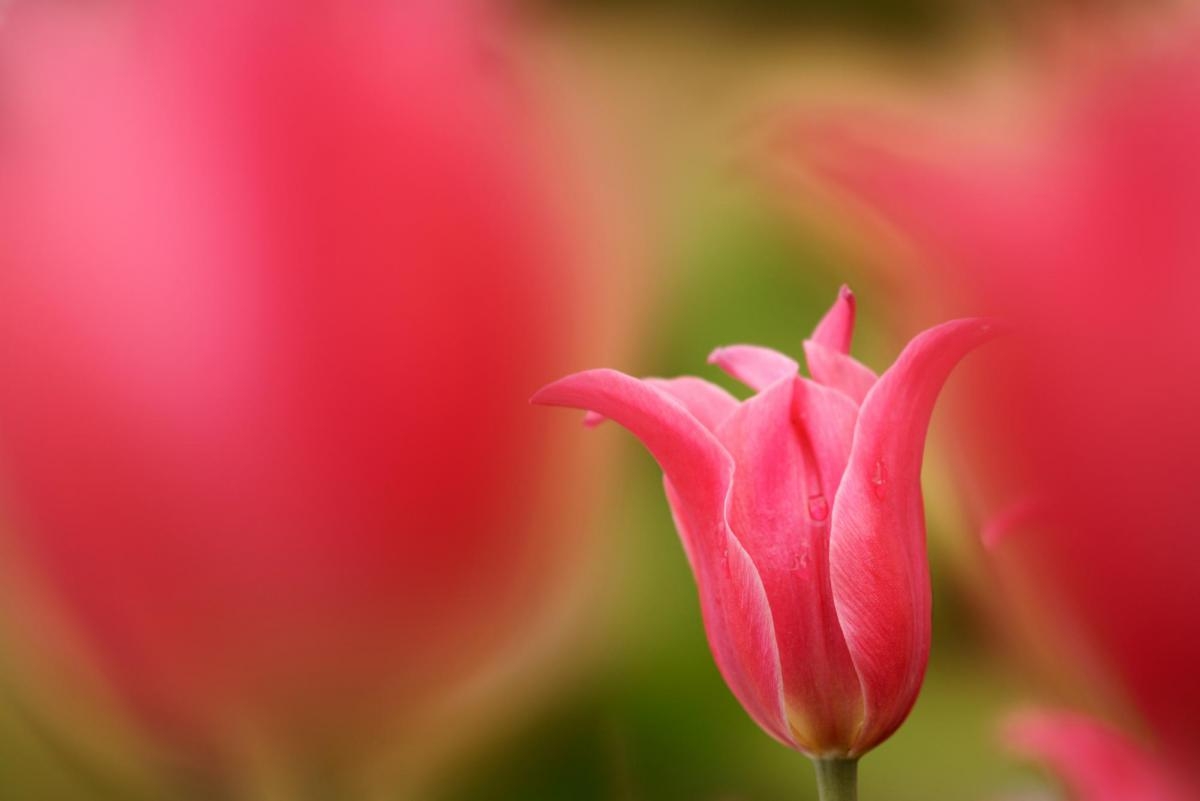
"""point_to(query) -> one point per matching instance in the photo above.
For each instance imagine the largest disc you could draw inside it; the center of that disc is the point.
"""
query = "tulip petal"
(1094, 760)
(829, 420)
(879, 572)
(699, 475)
(708, 403)
(836, 369)
(836, 328)
(779, 512)
(755, 366)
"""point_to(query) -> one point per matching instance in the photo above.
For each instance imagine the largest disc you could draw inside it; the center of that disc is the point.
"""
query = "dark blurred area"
(907, 18)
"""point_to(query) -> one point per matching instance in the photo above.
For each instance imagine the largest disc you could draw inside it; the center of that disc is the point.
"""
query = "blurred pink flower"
(1080, 228)
(277, 278)
(1095, 761)
(800, 511)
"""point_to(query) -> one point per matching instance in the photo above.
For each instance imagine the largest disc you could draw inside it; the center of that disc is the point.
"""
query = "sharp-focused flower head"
(800, 511)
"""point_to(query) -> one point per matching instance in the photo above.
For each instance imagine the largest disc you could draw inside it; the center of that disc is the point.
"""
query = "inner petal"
(779, 511)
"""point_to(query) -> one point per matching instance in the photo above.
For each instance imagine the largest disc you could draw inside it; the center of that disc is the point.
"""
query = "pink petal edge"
(838, 370)
(755, 366)
(699, 474)
(836, 329)
(879, 570)
(707, 402)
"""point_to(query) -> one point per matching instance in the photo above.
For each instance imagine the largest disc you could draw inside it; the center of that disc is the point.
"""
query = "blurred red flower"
(278, 279)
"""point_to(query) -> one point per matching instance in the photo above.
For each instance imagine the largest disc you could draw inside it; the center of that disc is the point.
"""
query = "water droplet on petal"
(879, 479)
(818, 508)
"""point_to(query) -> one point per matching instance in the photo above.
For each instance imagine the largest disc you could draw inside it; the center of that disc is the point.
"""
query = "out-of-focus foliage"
(891, 17)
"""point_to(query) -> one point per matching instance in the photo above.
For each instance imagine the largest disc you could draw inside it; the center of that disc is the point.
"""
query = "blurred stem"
(837, 778)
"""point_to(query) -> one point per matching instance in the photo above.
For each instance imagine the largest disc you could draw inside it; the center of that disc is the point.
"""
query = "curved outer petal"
(708, 403)
(755, 366)
(699, 473)
(877, 551)
(778, 511)
(836, 328)
(1094, 760)
(839, 370)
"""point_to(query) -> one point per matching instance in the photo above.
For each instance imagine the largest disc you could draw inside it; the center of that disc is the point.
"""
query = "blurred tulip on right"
(1082, 229)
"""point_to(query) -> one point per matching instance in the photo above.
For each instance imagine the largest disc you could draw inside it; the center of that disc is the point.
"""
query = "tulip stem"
(837, 778)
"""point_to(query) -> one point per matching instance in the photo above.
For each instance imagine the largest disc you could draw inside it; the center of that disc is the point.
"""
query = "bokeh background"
(660, 120)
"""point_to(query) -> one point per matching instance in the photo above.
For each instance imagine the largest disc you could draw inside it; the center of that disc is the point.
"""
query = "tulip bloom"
(800, 512)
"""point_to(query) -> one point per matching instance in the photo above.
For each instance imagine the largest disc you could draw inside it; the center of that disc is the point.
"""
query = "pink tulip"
(1079, 224)
(276, 278)
(800, 511)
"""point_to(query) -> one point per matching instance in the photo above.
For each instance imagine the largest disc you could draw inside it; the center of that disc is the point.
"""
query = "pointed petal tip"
(566, 390)
(992, 326)
(541, 397)
(836, 329)
(846, 296)
(976, 330)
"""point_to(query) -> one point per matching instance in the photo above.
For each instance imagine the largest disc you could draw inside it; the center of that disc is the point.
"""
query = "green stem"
(837, 778)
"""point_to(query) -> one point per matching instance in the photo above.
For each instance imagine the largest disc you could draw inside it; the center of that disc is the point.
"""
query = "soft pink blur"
(1078, 222)
(1095, 761)
(276, 288)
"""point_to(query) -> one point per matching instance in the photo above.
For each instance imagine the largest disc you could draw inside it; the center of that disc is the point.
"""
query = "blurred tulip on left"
(277, 278)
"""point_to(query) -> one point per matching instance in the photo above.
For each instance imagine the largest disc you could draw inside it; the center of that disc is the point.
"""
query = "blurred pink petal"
(1095, 761)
